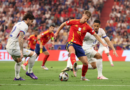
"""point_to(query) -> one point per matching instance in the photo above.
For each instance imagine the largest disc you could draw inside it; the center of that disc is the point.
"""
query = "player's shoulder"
(74, 20)
(101, 30)
(31, 36)
(22, 24)
(88, 25)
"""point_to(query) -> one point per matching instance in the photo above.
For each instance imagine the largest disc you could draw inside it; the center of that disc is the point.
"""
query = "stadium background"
(114, 16)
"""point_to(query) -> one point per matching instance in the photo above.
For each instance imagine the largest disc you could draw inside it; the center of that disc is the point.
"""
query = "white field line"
(64, 85)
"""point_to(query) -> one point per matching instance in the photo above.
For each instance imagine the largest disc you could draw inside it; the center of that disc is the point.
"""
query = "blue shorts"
(31, 49)
(78, 49)
(37, 49)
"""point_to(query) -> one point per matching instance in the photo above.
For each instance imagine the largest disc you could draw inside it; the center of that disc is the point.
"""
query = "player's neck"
(25, 22)
(81, 21)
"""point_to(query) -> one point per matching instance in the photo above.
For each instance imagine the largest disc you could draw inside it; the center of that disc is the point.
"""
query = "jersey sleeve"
(103, 33)
(29, 39)
(70, 22)
(23, 28)
(44, 33)
(91, 31)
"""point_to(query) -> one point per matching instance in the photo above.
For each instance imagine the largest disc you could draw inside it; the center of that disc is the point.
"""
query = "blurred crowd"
(118, 25)
(45, 12)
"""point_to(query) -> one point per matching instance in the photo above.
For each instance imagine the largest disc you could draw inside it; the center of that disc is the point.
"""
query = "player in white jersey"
(94, 58)
(15, 46)
(106, 50)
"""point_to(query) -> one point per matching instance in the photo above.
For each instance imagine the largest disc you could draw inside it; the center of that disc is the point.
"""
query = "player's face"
(51, 29)
(85, 18)
(30, 22)
(36, 32)
(96, 27)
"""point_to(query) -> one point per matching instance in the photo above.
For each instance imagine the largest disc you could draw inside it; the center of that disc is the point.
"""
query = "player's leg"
(99, 66)
(83, 59)
(71, 48)
(91, 65)
(69, 66)
(109, 56)
(45, 58)
(31, 62)
(16, 57)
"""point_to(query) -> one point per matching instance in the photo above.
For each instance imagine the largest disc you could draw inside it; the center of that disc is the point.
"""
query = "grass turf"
(119, 78)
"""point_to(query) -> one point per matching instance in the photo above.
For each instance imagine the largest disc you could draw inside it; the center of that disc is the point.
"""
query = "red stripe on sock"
(84, 70)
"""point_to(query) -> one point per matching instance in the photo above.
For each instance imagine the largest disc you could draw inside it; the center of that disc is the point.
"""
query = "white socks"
(99, 67)
(69, 63)
(17, 69)
(31, 62)
(110, 59)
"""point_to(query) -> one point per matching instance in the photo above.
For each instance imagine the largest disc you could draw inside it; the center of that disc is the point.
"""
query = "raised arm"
(61, 26)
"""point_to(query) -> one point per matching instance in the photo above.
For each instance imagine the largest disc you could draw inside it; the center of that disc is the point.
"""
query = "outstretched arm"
(61, 26)
(99, 39)
(111, 45)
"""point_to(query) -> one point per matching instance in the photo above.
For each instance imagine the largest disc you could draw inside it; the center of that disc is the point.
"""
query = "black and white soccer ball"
(64, 76)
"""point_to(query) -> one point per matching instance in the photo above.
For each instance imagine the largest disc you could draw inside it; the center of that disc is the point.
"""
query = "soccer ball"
(63, 76)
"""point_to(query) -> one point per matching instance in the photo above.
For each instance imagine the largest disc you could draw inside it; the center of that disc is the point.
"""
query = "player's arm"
(39, 40)
(52, 41)
(111, 45)
(61, 26)
(99, 39)
(20, 39)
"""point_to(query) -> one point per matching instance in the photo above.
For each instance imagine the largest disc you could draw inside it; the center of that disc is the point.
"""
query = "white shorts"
(90, 53)
(15, 53)
(105, 49)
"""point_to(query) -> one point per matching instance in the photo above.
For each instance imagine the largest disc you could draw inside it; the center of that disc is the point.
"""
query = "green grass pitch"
(119, 78)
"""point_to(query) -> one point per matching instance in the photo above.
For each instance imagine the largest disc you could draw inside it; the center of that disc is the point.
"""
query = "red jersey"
(78, 31)
(32, 41)
(46, 36)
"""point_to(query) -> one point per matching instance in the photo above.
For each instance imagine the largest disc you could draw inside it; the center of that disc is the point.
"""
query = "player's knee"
(85, 63)
(94, 67)
(107, 54)
(98, 56)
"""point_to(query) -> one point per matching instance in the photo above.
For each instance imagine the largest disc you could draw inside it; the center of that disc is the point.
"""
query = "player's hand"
(55, 35)
(41, 46)
(105, 45)
(114, 53)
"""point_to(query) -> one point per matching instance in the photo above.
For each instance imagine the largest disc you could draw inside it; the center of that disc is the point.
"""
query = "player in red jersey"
(32, 40)
(78, 30)
(43, 38)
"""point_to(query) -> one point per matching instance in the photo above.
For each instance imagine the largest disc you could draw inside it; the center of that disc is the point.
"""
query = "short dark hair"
(52, 25)
(97, 21)
(28, 16)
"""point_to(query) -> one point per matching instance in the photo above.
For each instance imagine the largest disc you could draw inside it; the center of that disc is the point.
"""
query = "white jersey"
(90, 41)
(12, 42)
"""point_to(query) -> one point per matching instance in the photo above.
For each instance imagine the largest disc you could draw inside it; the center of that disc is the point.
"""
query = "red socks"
(84, 70)
(45, 59)
(72, 58)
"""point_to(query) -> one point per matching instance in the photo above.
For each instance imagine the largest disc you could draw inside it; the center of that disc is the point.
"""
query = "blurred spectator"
(119, 23)
(46, 12)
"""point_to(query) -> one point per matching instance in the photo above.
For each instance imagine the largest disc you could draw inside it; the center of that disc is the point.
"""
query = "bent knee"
(94, 67)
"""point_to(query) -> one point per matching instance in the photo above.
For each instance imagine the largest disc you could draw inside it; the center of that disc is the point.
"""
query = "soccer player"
(43, 38)
(32, 40)
(106, 50)
(94, 58)
(78, 30)
(15, 46)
